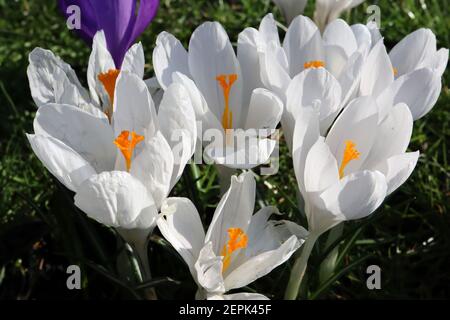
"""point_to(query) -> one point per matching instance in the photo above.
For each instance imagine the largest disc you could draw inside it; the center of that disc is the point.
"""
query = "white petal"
(274, 70)
(42, 72)
(439, 61)
(246, 151)
(303, 43)
(211, 55)
(100, 61)
(117, 199)
(315, 87)
(209, 270)
(265, 110)
(62, 161)
(338, 33)
(154, 166)
(335, 59)
(341, 6)
(398, 168)
(260, 265)
(238, 296)
(133, 107)
(320, 218)
(180, 224)
(419, 89)
(362, 36)
(177, 122)
(234, 210)
(350, 76)
(413, 50)
(327, 11)
(377, 73)
(266, 235)
(393, 136)
(306, 133)
(357, 195)
(321, 169)
(352, 3)
(247, 54)
(374, 32)
(291, 8)
(157, 98)
(152, 85)
(66, 92)
(89, 136)
(134, 60)
(357, 123)
(202, 111)
(169, 56)
(268, 29)
(321, 13)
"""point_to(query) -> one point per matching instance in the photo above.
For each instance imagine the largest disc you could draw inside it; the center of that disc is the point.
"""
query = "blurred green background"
(41, 232)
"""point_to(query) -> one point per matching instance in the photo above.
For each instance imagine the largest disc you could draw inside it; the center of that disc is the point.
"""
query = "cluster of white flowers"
(345, 105)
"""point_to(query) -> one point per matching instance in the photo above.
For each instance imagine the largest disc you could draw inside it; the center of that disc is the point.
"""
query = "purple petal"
(88, 19)
(117, 18)
(147, 11)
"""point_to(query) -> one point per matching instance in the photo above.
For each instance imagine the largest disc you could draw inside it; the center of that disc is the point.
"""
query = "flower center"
(227, 82)
(127, 146)
(237, 240)
(350, 153)
(395, 70)
(108, 79)
(314, 64)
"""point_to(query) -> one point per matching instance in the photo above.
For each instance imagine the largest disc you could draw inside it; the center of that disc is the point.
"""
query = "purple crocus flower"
(121, 20)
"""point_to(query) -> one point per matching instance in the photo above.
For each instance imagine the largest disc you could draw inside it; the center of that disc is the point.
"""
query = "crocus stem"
(146, 275)
(192, 187)
(144, 266)
(328, 265)
(300, 203)
(282, 26)
(137, 239)
(298, 271)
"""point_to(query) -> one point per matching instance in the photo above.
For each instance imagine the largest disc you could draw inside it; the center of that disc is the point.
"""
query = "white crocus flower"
(238, 248)
(347, 174)
(54, 81)
(222, 91)
(307, 65)
(329, 10)
(312, 88)
(291, 8)
(418, 50)
(120, 172)
(410, 74)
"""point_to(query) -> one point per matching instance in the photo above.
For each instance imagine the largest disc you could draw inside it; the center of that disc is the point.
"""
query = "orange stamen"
(314, 64)
(238, 240)
(127, 146)
(395, 70)
(350, 153)
(108, 79)
(227, 82)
